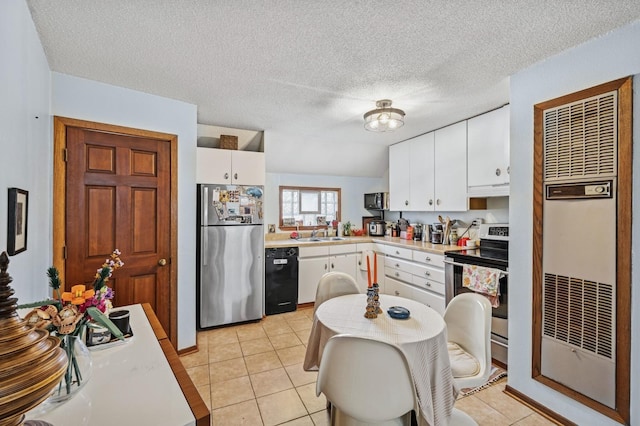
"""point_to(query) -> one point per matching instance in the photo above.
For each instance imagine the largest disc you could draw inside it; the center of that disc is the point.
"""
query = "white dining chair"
(468, 321)
(367, 381)
(334, 284)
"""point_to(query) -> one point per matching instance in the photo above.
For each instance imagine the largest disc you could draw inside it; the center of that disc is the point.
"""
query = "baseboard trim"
(187, 351)
(537, 407)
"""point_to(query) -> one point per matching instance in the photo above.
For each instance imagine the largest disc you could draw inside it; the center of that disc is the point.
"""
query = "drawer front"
(429, 258)
(432, 300)
(399, 264)
(398, 252)
(397, 288)
(428, 284)
(398, 274)
(427, 272)
(342, 248)
(313, 251)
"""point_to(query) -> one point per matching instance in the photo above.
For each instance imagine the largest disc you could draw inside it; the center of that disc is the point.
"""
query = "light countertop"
(414, 245)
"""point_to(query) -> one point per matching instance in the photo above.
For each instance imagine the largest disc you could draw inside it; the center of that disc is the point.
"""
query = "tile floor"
(252, 374)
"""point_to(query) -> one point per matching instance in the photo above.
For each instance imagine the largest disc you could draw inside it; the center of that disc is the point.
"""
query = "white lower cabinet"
(415, 275)
(398, 288)
(309, 273)
(432, 300)
(361, 272)
(316, 261)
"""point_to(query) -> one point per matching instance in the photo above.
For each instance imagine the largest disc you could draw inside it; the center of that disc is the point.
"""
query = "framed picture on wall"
(17, 221)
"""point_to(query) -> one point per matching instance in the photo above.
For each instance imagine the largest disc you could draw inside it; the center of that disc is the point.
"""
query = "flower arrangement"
(68, 313)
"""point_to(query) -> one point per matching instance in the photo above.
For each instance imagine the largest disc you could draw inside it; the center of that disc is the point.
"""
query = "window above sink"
(304, 208)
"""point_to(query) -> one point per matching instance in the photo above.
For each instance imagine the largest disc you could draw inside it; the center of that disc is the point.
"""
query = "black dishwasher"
(281, 280)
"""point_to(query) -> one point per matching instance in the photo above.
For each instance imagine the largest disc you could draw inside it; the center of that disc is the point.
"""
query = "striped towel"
(483, 280)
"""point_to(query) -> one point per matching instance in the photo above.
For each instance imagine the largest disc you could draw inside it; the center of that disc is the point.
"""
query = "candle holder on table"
(376, 298)
(371, 311)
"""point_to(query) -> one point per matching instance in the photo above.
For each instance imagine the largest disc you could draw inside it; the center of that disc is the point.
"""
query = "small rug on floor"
(497, 373)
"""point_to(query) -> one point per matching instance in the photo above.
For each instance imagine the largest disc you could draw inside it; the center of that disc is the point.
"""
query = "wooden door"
(118, 195)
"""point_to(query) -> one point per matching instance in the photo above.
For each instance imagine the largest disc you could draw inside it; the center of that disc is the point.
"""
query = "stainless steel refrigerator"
(230, 254)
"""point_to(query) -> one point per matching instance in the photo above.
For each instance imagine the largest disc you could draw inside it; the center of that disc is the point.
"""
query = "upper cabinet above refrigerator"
(231, 167)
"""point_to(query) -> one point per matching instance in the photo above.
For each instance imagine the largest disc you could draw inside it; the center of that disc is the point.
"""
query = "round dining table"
(422, 337)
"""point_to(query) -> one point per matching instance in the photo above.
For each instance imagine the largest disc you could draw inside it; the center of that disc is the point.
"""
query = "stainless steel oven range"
(493, 252)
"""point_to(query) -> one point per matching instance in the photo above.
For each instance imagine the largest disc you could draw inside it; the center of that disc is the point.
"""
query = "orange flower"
(77, 295)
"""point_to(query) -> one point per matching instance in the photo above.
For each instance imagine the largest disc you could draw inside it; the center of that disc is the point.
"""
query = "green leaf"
(104, 321)
(40, 303)
(54, 278)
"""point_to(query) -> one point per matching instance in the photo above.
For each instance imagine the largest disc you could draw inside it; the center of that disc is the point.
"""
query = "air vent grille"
(579, 312)
(580, 138)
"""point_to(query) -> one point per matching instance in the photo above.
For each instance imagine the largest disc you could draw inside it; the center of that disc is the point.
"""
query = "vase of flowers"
(67, 315)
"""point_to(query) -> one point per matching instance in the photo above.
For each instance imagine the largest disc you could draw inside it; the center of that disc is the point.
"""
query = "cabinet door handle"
(438, 201)
(428, 284)
(397, 252)
(397, 274)
(325, 266)
(498, 172)
(397, 293)
(235, 176)
(430, 201)
(397, 265)
(406, 202)
(333, 266)
(226, 175)
(509, 170)
(428, 259)
(427, 273)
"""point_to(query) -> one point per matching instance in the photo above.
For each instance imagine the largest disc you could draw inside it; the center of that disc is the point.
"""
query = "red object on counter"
(462, 242)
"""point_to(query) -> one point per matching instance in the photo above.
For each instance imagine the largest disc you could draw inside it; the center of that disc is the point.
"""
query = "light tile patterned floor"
(252, 374)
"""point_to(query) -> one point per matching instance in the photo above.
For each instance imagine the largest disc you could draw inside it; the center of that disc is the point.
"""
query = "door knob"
(162, 262)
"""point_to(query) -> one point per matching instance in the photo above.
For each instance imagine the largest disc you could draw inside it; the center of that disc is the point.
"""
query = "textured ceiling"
(306, 71)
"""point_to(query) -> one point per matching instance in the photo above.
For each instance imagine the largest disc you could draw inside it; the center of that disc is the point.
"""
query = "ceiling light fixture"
(383, 118)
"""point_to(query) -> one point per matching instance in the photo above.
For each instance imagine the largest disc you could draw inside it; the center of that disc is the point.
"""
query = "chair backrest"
(369, 380)
(333, 284)
(468, 320)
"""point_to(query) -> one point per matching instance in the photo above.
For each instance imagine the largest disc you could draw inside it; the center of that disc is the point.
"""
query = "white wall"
(609, 57)
(93, 101)
(25, 145)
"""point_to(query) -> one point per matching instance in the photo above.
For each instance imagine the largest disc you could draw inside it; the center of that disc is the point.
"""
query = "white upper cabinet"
(247, 167)
(488, 148)
(450, 175)
(429, 172)
(411, 174)
(421, 165)
(225, 166)
(399, 176)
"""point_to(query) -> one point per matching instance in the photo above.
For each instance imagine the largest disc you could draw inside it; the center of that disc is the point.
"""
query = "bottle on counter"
(453, 237)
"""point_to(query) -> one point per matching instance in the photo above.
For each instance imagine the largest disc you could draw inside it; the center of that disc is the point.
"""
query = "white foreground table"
(131, 384)
(422, 337)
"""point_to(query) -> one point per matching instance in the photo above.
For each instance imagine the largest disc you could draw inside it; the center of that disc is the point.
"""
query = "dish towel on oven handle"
(483, 280)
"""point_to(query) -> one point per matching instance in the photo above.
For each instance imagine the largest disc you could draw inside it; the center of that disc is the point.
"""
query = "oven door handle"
(450, 262)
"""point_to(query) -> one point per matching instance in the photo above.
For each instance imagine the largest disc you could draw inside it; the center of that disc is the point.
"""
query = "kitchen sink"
(319, 239)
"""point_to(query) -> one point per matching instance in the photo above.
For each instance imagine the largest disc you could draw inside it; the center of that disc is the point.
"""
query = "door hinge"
(65, 155)
(64, 252)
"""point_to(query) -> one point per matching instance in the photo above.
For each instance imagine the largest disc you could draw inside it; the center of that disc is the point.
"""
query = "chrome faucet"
(314, 232)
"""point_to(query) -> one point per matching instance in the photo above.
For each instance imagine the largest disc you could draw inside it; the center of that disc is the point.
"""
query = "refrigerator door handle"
(205, 246)
(205, 205)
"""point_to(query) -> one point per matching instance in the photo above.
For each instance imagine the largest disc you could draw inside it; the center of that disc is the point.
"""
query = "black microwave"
(376, 201)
